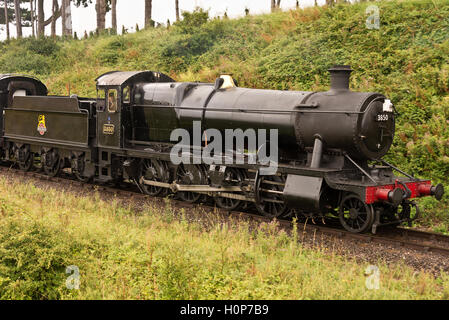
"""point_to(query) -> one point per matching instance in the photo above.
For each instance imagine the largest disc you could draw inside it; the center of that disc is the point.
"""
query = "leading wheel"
(355, 215)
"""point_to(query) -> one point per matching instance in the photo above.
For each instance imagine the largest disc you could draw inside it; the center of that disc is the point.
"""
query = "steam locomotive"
(330, 144)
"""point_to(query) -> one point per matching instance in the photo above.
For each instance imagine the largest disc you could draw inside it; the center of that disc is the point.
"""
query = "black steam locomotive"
(330, 146)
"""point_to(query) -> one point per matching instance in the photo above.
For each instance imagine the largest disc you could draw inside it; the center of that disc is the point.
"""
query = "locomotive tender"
(331, 144)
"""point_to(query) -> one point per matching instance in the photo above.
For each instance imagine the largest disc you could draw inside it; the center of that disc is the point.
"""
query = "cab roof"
(5, 79)
(121, 78)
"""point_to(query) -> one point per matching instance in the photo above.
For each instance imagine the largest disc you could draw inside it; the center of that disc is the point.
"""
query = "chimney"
(340, 77)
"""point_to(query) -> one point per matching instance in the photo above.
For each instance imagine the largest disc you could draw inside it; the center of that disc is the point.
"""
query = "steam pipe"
(317, 153)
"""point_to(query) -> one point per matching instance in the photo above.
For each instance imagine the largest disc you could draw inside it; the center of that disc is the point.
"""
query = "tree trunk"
(35, 16)
(54, 9)
(18, 14)
(63, 17)
(278, 4)
(148, 13)
(177, 9)
(33, 31)
(66, 14)
(7, 20)
(68, 17)
(40, 18)
(114, 15)
(100, 7)
(41, 22)
(273, 5)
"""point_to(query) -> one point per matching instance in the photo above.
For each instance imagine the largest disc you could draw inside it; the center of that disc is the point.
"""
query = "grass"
(122, 254)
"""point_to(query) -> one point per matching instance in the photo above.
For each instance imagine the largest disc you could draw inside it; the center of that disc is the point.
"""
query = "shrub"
(33, 258)
(45, 46)
(192, 20)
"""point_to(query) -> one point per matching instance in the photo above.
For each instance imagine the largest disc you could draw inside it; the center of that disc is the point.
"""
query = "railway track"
(398, 237)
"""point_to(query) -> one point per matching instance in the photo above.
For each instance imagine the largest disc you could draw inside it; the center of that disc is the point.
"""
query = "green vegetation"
(158, 254)
(407, 59)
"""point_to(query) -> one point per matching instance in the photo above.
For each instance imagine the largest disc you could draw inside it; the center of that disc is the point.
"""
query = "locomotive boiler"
(330, 145)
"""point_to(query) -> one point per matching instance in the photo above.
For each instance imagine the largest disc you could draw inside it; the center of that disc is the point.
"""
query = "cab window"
(101, 94)
(126, 95)
(112, 100)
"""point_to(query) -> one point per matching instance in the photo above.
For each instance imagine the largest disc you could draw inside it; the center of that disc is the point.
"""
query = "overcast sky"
(130, 12)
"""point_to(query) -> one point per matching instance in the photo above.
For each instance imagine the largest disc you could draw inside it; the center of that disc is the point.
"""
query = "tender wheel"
(52, 163)
(190, 175)
(153, 170)
(269, 199)
(355, 215)
(233, 177)
(25, 159)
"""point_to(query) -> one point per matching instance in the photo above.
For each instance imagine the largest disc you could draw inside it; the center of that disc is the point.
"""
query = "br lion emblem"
(41, 127)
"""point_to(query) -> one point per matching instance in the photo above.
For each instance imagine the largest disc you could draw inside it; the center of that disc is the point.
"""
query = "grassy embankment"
(155, 254)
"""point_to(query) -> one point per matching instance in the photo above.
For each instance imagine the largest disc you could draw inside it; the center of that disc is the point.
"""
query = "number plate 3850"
(108, 129)
(382, 117)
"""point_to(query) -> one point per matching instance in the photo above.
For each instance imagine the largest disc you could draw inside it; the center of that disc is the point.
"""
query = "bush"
(33, 259)
(111, 50)
(192, 20)
(45, 46)
(25, 61)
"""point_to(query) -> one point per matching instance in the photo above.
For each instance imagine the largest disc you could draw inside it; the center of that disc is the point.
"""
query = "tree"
(148, 13)
(18, 18)
(41, 22)
(278, 4)
(54, 9)
(273, 5)
(11, 12)
(32, 11)
(66, 13)
(100, 7)
(114, 15)
(6, 19)
(177, 9)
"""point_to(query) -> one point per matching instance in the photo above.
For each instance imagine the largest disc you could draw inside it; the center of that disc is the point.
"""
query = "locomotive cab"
(114, 113)
(114, 103)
